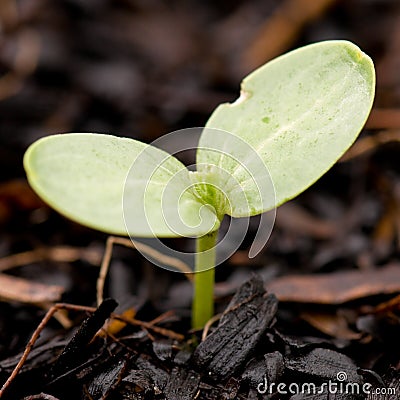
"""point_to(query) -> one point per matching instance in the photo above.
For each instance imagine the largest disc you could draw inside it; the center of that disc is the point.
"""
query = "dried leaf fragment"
(25, 291)
(338, 287)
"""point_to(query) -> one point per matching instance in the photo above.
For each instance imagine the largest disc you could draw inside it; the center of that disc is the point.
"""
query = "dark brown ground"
(142, 69)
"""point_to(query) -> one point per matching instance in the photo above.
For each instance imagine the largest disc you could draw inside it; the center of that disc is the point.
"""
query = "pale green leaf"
(117, 185)
(295, 117)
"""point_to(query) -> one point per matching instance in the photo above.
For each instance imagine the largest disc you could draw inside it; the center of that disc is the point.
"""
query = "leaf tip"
(364, 63)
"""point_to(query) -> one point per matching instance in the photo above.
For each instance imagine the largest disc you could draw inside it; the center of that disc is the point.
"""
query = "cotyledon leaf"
(117, 185)
(295, 117)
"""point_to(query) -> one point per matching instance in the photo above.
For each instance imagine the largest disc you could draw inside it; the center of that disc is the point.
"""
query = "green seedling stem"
(203, 296)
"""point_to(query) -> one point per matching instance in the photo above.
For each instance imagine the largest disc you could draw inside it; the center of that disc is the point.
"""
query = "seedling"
(295, 117)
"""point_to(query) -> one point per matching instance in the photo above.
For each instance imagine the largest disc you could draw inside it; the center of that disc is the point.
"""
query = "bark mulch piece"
(244, 357)
(249, 314)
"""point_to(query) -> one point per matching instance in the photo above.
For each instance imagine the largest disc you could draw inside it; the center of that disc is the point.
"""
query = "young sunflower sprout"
(296, 116)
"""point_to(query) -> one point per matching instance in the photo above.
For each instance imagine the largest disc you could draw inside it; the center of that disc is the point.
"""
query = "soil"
(319, 304)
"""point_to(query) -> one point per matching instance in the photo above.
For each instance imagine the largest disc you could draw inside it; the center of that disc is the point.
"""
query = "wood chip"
(338, 287)
(333, 325)
(105, 381)
(183, 384)
(74, 352)
(324, 364)
(24, 291)
(240, 329)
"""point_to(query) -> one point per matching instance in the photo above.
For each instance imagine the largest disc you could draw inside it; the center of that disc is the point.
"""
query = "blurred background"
(142, 68)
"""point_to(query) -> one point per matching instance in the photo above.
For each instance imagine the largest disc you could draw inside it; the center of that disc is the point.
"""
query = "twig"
(35, 336)
(162, 317)
(61, 316)
(162, 258)
(57, 253)
(208, 325)
(150, 326)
